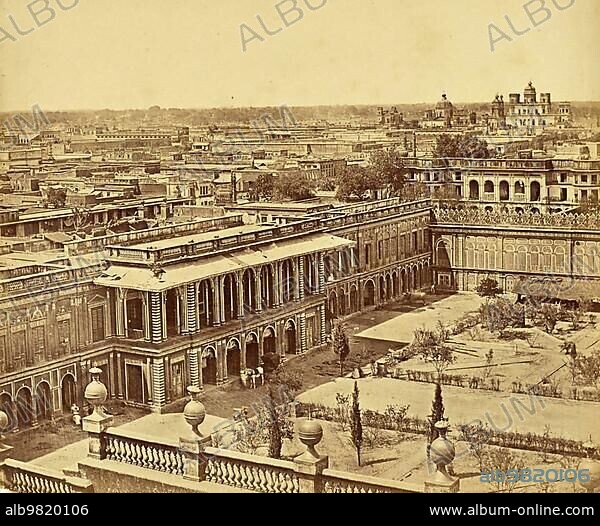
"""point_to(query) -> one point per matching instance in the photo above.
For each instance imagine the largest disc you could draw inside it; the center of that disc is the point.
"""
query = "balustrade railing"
(342, 482)
(21, 477)
(260, 474)
(142, 452)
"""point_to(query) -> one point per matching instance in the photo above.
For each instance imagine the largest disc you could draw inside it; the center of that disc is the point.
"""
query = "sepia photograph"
(301, 247)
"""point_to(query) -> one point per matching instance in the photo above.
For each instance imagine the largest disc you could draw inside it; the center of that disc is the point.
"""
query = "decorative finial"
(96, 392)
(194, 412)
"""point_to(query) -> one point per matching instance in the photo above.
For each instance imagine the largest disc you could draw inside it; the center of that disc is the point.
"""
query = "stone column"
(156, 314)
(296, 271)
(146, 316)
(258, 279)
(194, 367)
(216, 306)
(321, 274)
(323, 325)
(192, 307)
(120, 313)
(301, 278)
(303, 342)
(159, 392)
(240, 294)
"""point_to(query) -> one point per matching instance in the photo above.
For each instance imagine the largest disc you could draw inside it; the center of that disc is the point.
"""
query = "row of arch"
(378, 290)
(489, 187)
(30, 407)
(234, 360)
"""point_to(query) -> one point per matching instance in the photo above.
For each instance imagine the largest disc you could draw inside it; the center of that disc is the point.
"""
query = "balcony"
(520, 198)
(489, 196)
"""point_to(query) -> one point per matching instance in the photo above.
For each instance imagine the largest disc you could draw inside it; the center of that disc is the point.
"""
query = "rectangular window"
(38, 343)
(380, 250)
(64, 337)
(368, 255)
(98, 333)
(19, 349)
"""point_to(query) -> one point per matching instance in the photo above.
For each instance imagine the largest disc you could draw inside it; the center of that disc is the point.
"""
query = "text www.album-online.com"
(507, 511)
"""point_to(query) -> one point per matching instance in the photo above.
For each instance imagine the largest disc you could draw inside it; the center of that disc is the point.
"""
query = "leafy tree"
(476, 437)
(390, 167)
(358, 183)
(293, 185)
(489, 288)
(466, 146)
(499, 314)
(340, 344)
(589, 369)
(502, 460)
(57, 197)
(356, 423)
(431, 346)
(548, 316)
(263, 188)
(282, 386)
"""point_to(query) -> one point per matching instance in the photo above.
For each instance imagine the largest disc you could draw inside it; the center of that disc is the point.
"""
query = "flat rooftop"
(201, 237)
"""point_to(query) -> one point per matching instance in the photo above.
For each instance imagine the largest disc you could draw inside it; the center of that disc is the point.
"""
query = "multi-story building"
(195, 303)
(558, 251)
(524, 184)
(533, 114)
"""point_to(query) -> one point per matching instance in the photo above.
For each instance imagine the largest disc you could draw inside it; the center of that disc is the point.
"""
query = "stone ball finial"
(96, 392)
(310, 433)
(4, 421)
(194, 412)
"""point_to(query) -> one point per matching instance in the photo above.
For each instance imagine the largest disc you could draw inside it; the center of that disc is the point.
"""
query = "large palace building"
(523, 184)
(196, 302)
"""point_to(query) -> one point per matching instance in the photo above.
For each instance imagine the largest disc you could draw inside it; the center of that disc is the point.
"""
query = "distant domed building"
(445, 115)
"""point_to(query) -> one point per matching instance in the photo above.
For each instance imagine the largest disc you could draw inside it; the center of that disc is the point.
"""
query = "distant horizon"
(192, 54)
(272, 106)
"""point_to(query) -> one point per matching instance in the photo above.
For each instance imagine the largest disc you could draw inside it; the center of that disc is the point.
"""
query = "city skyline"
(126, 45)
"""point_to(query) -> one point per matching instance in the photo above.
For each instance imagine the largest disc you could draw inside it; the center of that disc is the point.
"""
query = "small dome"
(444, 103)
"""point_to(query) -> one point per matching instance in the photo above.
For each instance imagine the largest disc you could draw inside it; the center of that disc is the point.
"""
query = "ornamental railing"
(21, 477)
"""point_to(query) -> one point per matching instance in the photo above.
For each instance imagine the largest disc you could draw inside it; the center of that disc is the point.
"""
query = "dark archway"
(230, 297)
(234, 358)
(382, 294)
(535, 191)
(395, 288)
(389, 287)
(489, 187)
(68, 393)
(290, 338)
(288, 284)
(354, 307)
(135, 318)
(209, 367)
(369, 294)
(267, 287)
(474, 190)
(252, 352)
(24, 402)
(43, 395)
(333, 306)
(504, 191)
(249, 291)
(269, 341)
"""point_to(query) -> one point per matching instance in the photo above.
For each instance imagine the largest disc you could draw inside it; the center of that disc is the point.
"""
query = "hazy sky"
(188, 53)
